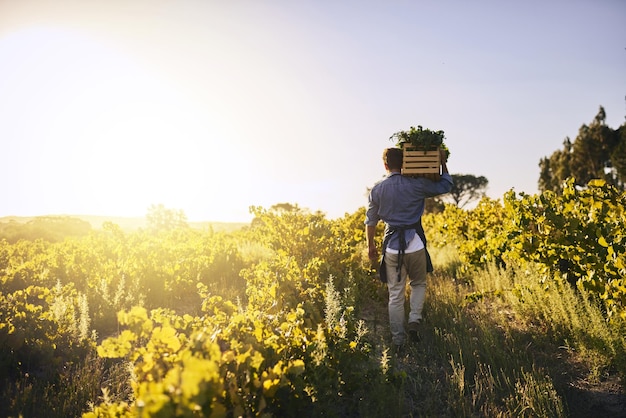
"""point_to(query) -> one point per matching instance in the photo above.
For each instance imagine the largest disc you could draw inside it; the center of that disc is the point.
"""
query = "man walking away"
(398, 201)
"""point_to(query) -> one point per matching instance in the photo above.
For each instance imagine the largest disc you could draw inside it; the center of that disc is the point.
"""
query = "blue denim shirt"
(398, 201)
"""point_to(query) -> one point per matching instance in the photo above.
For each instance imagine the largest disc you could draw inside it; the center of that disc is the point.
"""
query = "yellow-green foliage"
(264, 320)
(579, 235)
(207, 329)
(229, 360)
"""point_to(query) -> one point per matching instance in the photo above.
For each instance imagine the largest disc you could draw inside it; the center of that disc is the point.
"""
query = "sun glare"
(123, 135)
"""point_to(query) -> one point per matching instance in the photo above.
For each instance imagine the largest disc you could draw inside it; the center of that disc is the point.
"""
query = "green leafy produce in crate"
(422, 149)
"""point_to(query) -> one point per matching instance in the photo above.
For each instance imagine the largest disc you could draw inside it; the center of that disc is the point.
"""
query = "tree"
(598, 152)
(433, 205)
(618, 157)
(285, 207)
(556, 169)
(467, 188)
(160, 218)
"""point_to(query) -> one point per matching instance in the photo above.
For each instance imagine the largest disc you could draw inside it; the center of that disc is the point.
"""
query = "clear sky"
(110, 106)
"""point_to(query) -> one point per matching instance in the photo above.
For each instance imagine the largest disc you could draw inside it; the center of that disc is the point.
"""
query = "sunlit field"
(284, 316)
(181, 208)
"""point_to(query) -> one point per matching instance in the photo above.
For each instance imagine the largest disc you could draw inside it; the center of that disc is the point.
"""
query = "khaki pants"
(413, 266)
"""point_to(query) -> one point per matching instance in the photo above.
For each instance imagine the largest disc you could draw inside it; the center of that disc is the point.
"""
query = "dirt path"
(428, 373)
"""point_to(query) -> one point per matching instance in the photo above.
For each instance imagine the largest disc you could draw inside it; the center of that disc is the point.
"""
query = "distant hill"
(128, 223)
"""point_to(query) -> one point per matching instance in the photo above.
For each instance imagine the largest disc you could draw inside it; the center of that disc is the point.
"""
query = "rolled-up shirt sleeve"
(371, 215)
(436, 188)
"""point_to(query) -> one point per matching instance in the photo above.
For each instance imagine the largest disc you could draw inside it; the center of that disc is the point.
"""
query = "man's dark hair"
(392, 157)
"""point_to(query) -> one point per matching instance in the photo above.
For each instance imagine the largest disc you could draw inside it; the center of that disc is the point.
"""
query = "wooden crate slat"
(410, 153)
(408, 170)
(421, 164)
(420, 161)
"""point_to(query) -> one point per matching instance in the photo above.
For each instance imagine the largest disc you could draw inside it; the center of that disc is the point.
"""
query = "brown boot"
(413, 329)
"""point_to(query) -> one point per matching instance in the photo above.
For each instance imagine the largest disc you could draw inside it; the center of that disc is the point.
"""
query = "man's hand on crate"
(444, 159)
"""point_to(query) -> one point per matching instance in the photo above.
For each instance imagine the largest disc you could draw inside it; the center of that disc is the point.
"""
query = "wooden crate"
(420, 162)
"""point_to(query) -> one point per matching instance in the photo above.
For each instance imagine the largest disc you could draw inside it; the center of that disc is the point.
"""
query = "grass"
(129, 223)
(77, 386)
(495, 343)
(501, 343)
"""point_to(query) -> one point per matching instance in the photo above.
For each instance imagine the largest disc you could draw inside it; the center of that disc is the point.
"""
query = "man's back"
(399, 200)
